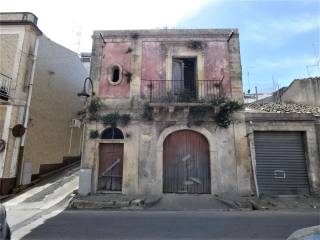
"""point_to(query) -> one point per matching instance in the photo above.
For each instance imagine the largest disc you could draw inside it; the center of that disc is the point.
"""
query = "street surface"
(99, 224)
(40, 213)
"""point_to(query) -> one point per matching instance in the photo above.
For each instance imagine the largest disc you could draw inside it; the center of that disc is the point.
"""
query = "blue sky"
(278, 39)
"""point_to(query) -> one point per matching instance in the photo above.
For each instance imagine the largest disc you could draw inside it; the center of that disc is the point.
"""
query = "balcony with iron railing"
(5, 85)
(181, 91)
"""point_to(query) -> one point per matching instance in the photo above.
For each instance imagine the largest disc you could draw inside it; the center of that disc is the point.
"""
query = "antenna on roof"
(317, 60)
(78, 33)
(248, 75)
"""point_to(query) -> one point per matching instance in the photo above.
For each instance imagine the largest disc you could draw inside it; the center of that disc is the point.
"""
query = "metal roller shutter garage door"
(280, 163)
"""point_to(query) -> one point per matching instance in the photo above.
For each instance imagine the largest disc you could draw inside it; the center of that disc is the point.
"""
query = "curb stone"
(135, 203)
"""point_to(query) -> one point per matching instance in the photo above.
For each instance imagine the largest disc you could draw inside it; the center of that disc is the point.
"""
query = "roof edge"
(160, 32)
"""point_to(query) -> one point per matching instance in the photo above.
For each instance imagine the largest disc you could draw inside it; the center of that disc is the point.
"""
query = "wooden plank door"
(186, 163)
(110, 166)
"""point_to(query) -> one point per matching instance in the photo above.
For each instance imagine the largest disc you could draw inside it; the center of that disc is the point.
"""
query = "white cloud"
(275, 32)
(61, 20)
(287, 62)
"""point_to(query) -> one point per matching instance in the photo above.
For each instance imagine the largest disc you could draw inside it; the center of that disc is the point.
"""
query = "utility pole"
(248, 75)
(256, 92)
(78, 33)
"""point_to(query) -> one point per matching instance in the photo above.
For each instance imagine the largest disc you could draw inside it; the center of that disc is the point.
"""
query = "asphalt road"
(98, 224)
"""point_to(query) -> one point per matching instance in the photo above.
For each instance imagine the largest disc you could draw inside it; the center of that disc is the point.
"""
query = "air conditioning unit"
(75, 123)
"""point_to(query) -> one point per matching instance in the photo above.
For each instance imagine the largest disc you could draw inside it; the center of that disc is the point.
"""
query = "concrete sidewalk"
(113, 201)
(41, 200)
(171, 202)
(179, 202)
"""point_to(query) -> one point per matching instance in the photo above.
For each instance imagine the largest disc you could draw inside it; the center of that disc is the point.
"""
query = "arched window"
(112, 133)
(115, 74)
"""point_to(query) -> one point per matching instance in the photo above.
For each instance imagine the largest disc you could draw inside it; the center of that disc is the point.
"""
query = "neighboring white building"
(86, 60)
(39, 81)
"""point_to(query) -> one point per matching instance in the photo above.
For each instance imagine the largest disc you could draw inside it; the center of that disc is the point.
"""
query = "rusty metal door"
(186, 163)
(110, 166)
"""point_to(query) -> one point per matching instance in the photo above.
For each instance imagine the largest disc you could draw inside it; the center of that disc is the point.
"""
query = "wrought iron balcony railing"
(181, 91)
(5, 85)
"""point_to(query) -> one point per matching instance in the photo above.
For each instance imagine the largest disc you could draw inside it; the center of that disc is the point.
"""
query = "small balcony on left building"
(5, 85)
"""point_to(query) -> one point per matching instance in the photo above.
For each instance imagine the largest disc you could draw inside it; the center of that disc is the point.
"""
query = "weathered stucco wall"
(151, 59)
(217, 64)
(8, 45)
(305, 91)
(16, 42)
(153, 66)
(115, 53)
(230, 167)
(58, 78)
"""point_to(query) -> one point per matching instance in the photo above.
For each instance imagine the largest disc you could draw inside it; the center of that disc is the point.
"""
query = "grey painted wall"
(305, 91)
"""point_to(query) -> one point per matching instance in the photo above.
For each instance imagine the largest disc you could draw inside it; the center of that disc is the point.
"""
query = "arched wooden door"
(186, 163)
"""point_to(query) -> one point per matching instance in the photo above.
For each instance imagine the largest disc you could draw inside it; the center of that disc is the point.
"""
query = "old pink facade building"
(164, 124)
(148, 138)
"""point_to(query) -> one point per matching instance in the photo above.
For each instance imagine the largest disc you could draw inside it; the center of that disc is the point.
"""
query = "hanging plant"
(93, 109)
(95, 105)
(94, 134)
(113, 119)
(147, 112)
(221, 109)
(226, 108)
(110, 119)
(82, 114)
(195, 44)
(125, 119)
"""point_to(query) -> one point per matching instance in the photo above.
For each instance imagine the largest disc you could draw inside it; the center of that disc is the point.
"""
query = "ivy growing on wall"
(125, 119)
(94, 108)
(113, 119)
(220, 109)
(147, 112)
(94, 134)
(223, 115)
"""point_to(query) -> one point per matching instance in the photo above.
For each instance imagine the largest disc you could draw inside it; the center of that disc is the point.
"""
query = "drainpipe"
(26, 116)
